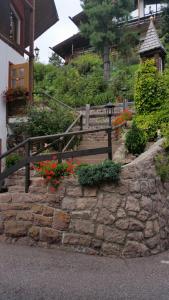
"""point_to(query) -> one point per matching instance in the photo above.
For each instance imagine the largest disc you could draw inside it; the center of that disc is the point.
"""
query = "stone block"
(100, 232)
(50, 235)
(105, 217)
(24, 216)
(114, 235)
(84, 214)
(74, 191)
(146, 203)
(135, 187)
(122, 223)
(111, 249)
(111, 201)
(135, 225)
(143, 215)
(156, 226)
(86, 203)
(61, 220)
(5, 198)
(90, 192)
(21, 198)
(69, 203)
(152, 186)
(132, 204)
(82, 226)
(9, 214)
(16, 229)
(37, 209)
(135, 249)
(135, 236)
(1, 227)
(34, 232)
(42, 221)
(96, 244)
(145, 188)
(121, 213)
(153, 242)
(37, 189)
(48, 211)
(149, 229)
(76, 239)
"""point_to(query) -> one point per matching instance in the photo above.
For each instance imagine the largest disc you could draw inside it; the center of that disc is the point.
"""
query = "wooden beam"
(31, 51)
(29, 4)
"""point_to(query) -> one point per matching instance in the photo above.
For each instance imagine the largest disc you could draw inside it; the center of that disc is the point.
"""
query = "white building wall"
(7, 55)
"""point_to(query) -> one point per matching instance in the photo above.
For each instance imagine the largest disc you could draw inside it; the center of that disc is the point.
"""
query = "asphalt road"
(44, 274)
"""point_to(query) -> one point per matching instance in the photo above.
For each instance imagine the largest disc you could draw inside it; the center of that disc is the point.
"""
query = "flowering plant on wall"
(54, 172)
(126, 115)
(13, 94)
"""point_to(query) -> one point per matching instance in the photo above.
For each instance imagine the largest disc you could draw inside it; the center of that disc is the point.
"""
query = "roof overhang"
(45, 16)
(73, 43)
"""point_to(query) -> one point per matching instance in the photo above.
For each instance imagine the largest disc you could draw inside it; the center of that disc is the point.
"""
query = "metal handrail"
(42, 92)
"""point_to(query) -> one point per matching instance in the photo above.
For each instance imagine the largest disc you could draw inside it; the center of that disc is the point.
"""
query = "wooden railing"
(31, 158)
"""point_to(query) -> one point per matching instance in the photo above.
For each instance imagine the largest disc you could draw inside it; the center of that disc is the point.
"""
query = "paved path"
(44, 274)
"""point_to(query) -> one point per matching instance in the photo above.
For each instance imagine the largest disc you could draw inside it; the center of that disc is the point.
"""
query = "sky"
(62, 30)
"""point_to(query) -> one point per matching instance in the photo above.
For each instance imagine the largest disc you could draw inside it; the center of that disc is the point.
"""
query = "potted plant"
(18, 93)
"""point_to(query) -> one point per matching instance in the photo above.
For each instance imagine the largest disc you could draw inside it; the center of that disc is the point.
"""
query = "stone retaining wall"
(128, 220)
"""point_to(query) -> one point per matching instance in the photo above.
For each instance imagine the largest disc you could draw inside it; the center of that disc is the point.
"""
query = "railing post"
(60, 150)
(27, 168)
(81, 122)
(87, 115)
(109, 131)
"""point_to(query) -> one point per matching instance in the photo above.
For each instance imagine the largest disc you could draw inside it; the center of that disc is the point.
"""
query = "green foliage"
(55, 60)
(101, 26)
(165, 133)
(47, 121)
(162, 166)
(79, 83)
(154, 121)
(150, 88)
(12, 159)
(123, 77)
(92, 175)
(135, 140)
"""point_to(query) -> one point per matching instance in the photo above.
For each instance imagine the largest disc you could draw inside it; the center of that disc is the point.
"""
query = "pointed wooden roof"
(151, 41)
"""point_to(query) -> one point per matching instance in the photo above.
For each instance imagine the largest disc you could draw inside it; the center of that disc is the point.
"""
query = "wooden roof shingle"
(151, 41)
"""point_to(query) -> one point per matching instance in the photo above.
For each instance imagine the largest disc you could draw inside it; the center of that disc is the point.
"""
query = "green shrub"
(12, 159)
(162, 166)
(47, 121)
(150, 88)
(153, 121)
(92, 175)
(135, 140)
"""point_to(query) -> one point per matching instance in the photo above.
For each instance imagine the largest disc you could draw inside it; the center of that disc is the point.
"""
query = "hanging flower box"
(14, 94)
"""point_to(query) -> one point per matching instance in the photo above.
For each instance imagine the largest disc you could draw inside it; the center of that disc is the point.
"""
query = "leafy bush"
(162, 166)
(135, 140)
(12, 159)
(91, 175)
(153, 121)
(47, 121)
(165, 133)
(78, 83)
(150, 88)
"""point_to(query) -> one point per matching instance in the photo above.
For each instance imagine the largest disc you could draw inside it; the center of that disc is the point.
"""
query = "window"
(15, 25)
(19, 76)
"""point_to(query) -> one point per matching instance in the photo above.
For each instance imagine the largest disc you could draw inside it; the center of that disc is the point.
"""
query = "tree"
(105, 25)
(55, 60)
